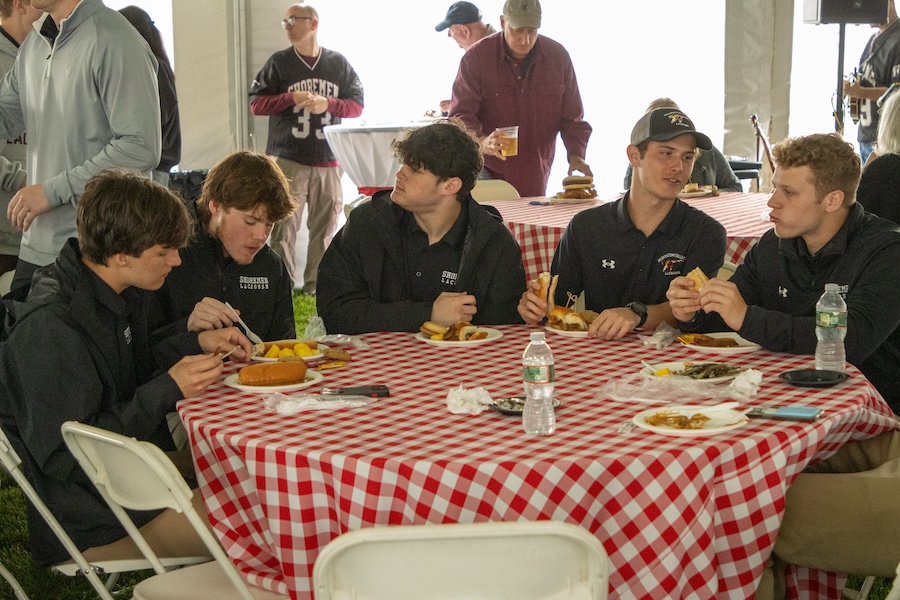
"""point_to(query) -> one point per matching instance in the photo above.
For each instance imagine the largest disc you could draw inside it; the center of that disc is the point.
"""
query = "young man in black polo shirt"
(841, 514)
(425, 251)
(623, 255)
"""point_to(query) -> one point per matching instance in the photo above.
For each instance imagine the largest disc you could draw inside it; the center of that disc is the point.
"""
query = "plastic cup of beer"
(511, 134)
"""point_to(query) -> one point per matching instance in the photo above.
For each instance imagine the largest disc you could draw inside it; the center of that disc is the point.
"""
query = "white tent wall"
(625, 55)
(758, 42)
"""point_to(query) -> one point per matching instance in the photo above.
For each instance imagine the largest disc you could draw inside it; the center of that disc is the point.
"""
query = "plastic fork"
(252, 336)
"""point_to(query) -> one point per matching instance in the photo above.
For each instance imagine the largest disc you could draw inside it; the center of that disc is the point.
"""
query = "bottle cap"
(537, 336)
(832, 287)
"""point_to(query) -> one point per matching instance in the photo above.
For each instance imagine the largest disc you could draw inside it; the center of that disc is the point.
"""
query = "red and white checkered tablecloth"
(680, 517)
(538, 229)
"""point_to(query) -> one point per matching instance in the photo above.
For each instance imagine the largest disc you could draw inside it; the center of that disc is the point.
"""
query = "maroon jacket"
(488, 93)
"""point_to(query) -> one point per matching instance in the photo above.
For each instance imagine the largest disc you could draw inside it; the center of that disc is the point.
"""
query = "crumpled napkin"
(288, 405)
(461, 401)
(746, 385)
(664, 335)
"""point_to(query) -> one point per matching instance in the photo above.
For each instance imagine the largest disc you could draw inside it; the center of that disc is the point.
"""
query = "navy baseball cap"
(664, 124)
(460, 13)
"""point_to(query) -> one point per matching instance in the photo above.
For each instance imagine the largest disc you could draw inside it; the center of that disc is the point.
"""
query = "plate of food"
(562, 319)
(725, 342)
(513, 405)
(576, 333)
(693, 190)
(274, 377)
(576, 189)
(461, 334)
(689, 421)
(707, 372)
(289, 350)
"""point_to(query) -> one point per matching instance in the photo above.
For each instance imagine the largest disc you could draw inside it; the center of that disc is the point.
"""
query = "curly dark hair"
(124, 213)
(833, 162)
(444, 148)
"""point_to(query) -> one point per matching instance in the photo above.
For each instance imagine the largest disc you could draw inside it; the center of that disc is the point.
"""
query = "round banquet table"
(678, 516)
(364, 151)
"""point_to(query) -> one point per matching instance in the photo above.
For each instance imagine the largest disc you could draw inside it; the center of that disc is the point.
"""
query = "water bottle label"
(541, 374)
(831, 320)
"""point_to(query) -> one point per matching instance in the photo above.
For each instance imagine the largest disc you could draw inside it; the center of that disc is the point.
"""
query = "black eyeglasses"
(290, 21)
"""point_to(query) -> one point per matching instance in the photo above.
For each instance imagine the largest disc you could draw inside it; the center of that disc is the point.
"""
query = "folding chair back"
(136, 475)
(13, 583)
(13, 464)
(544, 560)
(486, 190)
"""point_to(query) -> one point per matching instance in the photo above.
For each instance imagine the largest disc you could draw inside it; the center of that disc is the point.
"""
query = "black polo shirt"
(432, 269)
(614, 263)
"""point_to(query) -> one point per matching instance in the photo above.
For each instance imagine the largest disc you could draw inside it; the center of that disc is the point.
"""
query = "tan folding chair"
(523, 560)
(136, 475)
(486, 190)
(79, 565)
(726, 271)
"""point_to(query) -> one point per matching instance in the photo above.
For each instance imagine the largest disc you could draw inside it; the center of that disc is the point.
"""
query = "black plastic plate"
(813, 378)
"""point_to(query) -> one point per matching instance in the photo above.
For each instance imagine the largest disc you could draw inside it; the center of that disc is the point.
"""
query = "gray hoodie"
(90, 102)
(12, 163)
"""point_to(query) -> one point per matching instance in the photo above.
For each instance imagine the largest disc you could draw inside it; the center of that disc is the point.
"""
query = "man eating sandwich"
(622, 255)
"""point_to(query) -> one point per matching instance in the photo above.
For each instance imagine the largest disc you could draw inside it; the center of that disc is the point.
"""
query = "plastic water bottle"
(831, 327)
(538, 417)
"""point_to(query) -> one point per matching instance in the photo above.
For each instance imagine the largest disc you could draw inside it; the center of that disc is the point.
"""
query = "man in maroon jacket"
(518, 77)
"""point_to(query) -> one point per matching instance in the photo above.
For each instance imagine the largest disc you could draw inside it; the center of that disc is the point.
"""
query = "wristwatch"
(640, 309)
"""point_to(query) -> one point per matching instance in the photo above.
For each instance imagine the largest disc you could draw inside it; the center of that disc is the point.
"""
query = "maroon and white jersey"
(295, 133)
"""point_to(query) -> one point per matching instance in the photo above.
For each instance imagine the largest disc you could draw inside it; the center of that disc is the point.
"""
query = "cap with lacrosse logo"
(664, 124)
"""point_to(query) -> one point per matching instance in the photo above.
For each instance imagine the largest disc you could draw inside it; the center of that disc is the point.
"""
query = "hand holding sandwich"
(532, 307)
(689, 294)
(453, 307)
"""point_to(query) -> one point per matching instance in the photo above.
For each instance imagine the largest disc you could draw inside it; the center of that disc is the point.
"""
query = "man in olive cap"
(463, 23)
(520, 60)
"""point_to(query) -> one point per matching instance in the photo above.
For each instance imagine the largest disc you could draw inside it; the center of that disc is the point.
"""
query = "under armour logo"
(608, 264)
(782, 292)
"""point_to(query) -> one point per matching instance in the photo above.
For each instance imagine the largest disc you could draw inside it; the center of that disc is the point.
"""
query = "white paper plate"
(697, 194)
(574, 334)
(743, 345)
(679, 366)
(719, 421)
(311, 357)
(312, 378)
(493, 334)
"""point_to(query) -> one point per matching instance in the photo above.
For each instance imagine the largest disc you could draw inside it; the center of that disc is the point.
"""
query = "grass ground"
(44, 584)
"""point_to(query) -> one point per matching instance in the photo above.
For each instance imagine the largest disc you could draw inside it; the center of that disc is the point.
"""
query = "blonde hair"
(889, 126)
(834, 163)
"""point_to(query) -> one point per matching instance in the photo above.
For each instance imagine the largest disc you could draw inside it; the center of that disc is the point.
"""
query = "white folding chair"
(136, 475)
(79, 565)
(863, 592)
(13, 583)
(544, 560)
(486, 190)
